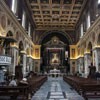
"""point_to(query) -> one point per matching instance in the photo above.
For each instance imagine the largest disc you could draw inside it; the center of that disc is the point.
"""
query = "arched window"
(88, 20)
(29, 29)
(98, 9)
(98, 1)
(81, 30)
(14, 6)
(23, 19)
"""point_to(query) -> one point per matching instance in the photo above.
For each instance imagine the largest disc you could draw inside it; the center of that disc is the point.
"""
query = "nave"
(56, 89)
(39, 36)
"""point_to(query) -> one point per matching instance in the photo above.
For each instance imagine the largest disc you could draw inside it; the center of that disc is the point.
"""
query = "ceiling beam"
(72, 6)
(40, 9)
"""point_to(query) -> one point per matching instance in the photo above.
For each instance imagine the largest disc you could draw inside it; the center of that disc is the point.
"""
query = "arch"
(9, 29)
(59, 44)
(9, 33)
(58, 32)
(98, 40)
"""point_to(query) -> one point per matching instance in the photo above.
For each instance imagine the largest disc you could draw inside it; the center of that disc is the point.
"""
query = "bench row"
(22, 92)
(88, 88)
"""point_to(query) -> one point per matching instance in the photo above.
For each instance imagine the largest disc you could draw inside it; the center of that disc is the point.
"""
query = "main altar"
(54, 73)
(54, 55)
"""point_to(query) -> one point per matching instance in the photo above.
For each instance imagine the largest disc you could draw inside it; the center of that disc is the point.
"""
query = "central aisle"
(56, 89)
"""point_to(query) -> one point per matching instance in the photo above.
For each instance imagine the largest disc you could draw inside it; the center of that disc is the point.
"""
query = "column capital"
(29, 56)
(23, 52)
(86, 53)
(14, 45)
(96, 47)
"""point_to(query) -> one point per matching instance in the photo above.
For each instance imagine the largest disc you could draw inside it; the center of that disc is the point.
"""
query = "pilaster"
(87, 63)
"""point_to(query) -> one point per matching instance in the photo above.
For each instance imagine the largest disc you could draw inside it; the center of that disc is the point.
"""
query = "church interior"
(49, 50)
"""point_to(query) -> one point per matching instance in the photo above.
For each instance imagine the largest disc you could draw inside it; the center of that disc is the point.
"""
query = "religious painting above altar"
(55, 59)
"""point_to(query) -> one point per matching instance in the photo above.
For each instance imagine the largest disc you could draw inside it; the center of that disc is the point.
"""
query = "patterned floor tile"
(56, 89)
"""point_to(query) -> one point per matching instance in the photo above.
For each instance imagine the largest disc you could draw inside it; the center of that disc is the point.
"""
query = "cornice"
(50, 29)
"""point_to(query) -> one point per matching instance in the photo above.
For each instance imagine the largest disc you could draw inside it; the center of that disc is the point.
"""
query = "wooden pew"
(36, 82)
(91, 91)
(15, 91)
(88, 88)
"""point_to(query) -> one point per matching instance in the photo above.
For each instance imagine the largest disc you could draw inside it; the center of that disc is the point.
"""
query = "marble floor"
(56, 89)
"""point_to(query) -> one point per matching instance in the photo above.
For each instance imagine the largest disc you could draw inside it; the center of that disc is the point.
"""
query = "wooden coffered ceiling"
(56, 14)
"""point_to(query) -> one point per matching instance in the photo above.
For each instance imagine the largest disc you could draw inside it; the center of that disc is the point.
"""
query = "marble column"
(80, 64)
(24, 64)
(87, 63)
(23, 57)
(29, 64)
(14, 59)
(96, 58)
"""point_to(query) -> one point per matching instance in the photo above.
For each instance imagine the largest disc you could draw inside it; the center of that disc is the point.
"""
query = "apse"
(55, 52)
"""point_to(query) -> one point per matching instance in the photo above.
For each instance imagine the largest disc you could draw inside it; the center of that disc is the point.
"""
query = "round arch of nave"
(6, 30)
(19, 37)
(94, 39)
(6, 24)
(81, 49)
(16, 34)
(68, 37)
(90, 41)
(9, 28)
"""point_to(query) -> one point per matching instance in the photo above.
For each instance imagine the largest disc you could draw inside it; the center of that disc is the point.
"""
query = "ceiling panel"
(56, 13)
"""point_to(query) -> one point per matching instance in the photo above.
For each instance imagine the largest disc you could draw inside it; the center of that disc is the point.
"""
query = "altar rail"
(88, 88)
